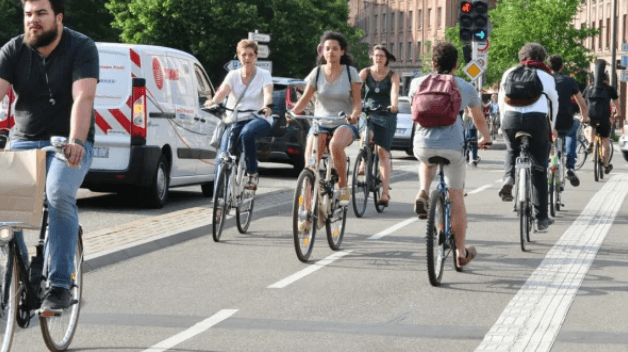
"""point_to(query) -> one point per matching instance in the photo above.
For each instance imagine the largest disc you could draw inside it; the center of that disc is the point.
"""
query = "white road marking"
(478, 190)
(310, 269)
(193, 331)
(534, 317)
(392, 229)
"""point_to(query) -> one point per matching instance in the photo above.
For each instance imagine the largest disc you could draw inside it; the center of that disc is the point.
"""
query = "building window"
(439, 15)
(384, 23)
(409, 51)
(400, 51)
(625, 29)
(419, 19)
(429, 18)
(392, 22)
(410, 20)
(391, 48)
(608, 33)
(418, 50)
(376, 25)
(593, 37)
(401, 21)
(601, 33)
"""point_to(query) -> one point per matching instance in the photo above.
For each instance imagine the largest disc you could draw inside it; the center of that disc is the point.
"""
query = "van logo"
(158, 74)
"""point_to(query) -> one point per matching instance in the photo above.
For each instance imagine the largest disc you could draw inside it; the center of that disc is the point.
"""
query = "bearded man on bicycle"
(527, 96)
(54, 72)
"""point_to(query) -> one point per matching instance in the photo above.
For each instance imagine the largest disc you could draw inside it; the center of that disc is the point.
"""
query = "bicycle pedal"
(49, 313)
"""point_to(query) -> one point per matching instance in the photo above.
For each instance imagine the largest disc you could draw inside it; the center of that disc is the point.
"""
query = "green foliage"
(547, 22)
(89, 17)
(210, 29)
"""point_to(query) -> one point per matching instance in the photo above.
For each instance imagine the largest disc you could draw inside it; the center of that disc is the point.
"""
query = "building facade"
(598, 14)
(407, 28)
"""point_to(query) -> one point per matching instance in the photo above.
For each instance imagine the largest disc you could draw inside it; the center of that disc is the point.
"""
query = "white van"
(151, 133)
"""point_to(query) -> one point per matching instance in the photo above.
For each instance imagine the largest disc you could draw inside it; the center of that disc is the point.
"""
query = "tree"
(89, 17)
(547, 22)
(210, 29)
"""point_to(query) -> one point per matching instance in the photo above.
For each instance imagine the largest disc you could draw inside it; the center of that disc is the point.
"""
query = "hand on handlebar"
(393, 109)
(74, 153)
(485, 143)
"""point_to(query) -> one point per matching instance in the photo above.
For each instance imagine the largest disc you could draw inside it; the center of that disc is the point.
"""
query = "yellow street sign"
(473, 70)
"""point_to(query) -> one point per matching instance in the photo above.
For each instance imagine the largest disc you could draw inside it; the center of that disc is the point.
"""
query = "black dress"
(377, 93)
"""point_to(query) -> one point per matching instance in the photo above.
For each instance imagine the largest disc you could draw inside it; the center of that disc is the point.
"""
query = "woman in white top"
(259, 95)
(337, 85)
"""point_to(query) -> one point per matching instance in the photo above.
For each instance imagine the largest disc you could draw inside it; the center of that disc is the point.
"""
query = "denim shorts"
(330, 130)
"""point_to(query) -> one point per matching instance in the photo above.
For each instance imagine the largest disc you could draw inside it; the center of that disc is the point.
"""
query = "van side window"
(203, 86)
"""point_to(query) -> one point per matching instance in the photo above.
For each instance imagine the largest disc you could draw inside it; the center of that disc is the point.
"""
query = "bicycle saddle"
(438, 160)
(521, 134)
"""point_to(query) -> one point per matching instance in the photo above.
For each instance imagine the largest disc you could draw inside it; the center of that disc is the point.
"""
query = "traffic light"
(474, 21)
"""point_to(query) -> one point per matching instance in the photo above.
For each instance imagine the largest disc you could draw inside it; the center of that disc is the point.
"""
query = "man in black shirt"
(565, 124)
(54, 73)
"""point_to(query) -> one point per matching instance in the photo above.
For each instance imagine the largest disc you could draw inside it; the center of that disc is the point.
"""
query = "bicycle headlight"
(6, 234)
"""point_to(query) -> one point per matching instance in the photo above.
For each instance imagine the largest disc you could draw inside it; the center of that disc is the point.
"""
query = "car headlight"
(6, 234)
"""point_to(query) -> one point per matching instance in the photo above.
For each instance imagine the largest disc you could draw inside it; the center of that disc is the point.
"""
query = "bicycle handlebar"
(378, 108)
(291, 114)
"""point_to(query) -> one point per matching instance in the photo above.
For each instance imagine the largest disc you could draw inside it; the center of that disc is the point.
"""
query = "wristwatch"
(79, 142)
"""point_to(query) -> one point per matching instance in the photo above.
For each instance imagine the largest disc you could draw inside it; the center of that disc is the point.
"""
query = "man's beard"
(44, 39)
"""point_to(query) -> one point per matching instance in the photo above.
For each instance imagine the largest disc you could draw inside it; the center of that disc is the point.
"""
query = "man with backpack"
(527, 96)
(599, 97)
(567, 88)
(438, 101)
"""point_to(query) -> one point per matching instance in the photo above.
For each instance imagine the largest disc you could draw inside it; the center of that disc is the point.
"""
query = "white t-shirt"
(253, 98)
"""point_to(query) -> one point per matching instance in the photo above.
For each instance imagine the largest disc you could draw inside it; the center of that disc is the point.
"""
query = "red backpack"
(437, 101)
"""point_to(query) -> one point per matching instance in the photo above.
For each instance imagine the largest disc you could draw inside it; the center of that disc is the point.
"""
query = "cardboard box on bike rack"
(22, 186)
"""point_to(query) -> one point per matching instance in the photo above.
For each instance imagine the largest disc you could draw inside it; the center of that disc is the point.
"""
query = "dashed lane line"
(193, 331)
(310, 269)
(534, 317)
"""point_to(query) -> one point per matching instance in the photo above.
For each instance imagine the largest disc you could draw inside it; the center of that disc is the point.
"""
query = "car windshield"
(404, 107)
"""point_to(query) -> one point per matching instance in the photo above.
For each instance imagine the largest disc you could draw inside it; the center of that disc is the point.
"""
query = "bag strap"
(242, 95)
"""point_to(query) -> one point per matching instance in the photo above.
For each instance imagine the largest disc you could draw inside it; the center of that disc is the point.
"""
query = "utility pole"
(614, 46)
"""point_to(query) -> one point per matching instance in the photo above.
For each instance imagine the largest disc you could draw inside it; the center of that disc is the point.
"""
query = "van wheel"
(208, 189)
(156, 195)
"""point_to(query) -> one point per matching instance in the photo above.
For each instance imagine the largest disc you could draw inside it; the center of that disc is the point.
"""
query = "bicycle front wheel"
(221, 202)
(359, 185)
(335, 226)
(378, 185)
(58, 331)
(596, 161)
(435, 237)
(303, 220)
(8, 297)
(244, 211)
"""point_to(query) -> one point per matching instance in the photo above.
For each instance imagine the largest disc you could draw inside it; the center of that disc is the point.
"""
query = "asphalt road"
(250, 292)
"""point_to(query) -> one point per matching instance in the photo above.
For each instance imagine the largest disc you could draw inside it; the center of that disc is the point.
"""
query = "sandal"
(384, 202)
(251, 184)
(420, 205)
(469, 255)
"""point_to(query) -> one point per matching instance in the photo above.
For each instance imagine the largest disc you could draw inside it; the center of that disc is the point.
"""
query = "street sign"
(483, 46)
(235, 64)
(263, 51)
(473, 70)
(624, 47)
(624, 76)
(624, 60)
(259, 37)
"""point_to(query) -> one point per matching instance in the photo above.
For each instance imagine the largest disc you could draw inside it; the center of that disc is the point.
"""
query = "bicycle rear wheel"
(221, 202)
(524, 210)
(551, 190)
(378, 185)
(244, 212)
(581, 154)
(58, 331)
(8, 297)
(435, 236)
(359, 185)
(303, 221)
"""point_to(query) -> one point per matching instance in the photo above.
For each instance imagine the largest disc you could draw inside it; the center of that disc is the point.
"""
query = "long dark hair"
(346, 59)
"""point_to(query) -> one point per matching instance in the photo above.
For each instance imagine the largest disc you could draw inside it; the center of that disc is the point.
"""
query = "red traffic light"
(466, 7)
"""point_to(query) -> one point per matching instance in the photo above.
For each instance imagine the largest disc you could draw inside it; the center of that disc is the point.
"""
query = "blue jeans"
(472, 136)
(571, 143)
(246, 132)
(62, 184)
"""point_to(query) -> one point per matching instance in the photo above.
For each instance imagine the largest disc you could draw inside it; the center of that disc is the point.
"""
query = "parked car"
(405, 127)
(287, 141)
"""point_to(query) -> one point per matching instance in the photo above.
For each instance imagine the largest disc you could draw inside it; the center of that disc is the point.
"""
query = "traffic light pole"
(474, 56)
